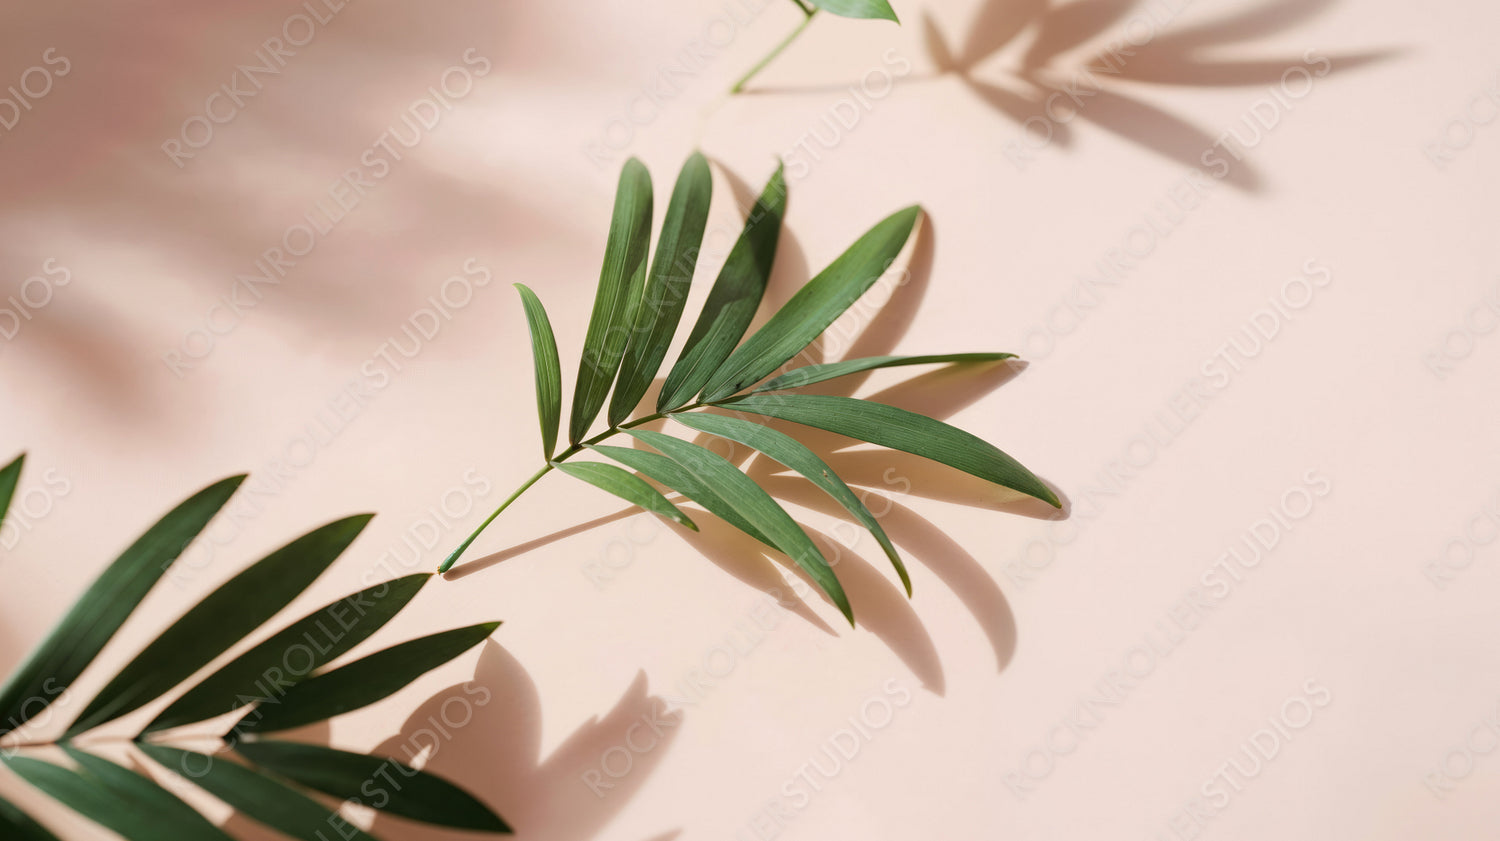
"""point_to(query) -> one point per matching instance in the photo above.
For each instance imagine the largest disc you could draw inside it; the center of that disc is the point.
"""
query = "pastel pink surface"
(1356, 231)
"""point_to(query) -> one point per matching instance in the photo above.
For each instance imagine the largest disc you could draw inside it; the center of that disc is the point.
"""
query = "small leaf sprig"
(272, 779)
(635, 316)
(865, 9)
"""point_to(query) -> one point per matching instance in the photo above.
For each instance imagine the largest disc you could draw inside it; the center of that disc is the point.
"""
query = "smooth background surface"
(993, 654)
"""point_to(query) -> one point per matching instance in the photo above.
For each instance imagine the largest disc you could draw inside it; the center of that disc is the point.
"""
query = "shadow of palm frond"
(1063, 63)
(91, 176)
(497, 754)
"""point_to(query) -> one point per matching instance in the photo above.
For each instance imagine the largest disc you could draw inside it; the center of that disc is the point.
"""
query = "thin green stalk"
(771, 56)
(536, 477)
(547, 468)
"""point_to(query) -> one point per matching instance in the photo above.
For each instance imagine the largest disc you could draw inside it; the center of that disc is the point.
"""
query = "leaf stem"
(535, 477)
(776, 51)
(574, 450)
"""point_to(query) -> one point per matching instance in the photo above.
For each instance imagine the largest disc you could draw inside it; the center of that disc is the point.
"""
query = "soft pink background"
(993, 662)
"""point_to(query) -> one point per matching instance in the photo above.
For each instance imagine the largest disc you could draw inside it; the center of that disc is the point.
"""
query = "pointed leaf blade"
(901, 430)
(815, 306)
(257, 796)
(792, 453)
(732, 302)
(626, 486)
(91, 798)
(620, 282)
(548, 368)
(151, 802)
(756, 506)
(263, 672)
(10, 476)
(665, 471)
(412, 794)
(104, 607)
(362, 682)
(865, 9)
(809, 374)
(223, 618)
(667, 288)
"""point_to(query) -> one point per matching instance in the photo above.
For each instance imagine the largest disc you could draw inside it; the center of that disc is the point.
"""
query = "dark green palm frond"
(284, 681)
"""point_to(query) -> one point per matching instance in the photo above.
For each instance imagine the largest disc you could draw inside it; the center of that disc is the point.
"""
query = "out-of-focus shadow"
(920, 540)
(1050, 70)
(497, 755)
(85, 163)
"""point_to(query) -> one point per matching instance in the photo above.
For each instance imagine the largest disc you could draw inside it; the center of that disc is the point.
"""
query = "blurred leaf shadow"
(497, 755)
(87, 175)
(1049, 69)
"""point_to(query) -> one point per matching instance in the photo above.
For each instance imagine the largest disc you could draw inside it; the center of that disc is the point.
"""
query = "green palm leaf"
(669, 473)
(165, 808)
(667, 290)
(809, 374)
(10, 476)
(105, 606)
(222, 619)
(620, 283)
(626, 486)
(754, 505)
(89, 798)
(257, 796)
(131, 804)
(867, 9)
(362, 682)
(548, 369)
(720, 368)
(407, 792)
(732, 302)
(815, 306)
(899, 429)
(792, 453)
(262, 673)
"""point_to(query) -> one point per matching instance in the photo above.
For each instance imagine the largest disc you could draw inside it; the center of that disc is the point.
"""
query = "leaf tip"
(634, 168)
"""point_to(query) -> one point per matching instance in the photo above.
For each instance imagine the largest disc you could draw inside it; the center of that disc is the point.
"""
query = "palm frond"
(278, 695)
(720, 371)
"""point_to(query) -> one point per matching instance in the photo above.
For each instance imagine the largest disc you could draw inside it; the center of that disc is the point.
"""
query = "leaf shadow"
(497, 755)
(919, 539)
(1049, 70)
(87, 176)
(879, 606)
